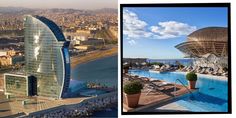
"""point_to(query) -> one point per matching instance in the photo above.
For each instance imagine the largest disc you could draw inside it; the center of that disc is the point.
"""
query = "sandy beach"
(93, 56)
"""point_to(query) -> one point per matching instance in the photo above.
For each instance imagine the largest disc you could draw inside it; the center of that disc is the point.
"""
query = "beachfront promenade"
(14, 104)
(70, 107)
(82, 109)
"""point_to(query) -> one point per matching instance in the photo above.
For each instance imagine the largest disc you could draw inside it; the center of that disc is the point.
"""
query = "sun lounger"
(190, 68)
(225, 74)
(207, 71)
(215, 71)
(163, 84)
(220, 71)
(193, 70)
(199, 69)
(203, 71)
(156, 87)
(151, 88)
(183, 69)
(187, 68)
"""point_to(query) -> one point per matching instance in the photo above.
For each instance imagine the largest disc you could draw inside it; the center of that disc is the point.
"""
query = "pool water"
(202, 103)
(211, 96)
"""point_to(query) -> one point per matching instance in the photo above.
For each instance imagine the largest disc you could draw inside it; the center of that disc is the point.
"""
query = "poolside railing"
(182, 85)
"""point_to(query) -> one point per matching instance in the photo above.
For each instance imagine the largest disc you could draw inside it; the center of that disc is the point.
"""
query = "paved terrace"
(14, 105)
(155, 97)
(1, 82)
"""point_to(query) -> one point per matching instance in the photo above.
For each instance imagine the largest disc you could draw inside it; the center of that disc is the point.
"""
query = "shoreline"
(75, 61)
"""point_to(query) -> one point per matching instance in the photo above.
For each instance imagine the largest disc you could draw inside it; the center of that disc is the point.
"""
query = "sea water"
(103, 71)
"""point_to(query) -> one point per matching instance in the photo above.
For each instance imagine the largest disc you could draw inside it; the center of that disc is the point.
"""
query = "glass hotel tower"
(46, 56)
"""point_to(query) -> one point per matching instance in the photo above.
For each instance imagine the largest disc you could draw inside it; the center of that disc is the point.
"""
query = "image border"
(227, 5)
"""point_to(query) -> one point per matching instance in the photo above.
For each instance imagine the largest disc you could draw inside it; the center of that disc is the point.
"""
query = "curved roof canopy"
(209, 40)
(209, 34)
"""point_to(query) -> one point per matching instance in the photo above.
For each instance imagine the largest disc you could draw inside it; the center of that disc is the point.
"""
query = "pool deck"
(14, 106)
(156, 98)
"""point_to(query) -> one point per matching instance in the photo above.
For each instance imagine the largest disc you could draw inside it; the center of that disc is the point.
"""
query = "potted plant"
(192, 78)
(132, 92)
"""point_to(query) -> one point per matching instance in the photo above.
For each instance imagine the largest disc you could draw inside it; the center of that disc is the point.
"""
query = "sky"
(75, 4)
(153, 32)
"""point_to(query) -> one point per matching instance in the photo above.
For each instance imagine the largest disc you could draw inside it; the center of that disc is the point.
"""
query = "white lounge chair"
(202, 71)
(156, 87)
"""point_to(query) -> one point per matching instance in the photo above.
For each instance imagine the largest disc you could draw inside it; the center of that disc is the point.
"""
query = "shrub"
(191, 76)
(133, 87)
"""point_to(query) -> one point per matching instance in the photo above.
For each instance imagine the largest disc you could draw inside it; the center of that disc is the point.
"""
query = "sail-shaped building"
(47, 61)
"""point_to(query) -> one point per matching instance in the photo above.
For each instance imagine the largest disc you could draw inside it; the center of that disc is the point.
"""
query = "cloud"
(171, 29)
(132, 42)
(133, 26)
(154, 29)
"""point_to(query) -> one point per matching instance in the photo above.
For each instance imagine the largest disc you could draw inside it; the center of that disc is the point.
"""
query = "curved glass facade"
(46, 56)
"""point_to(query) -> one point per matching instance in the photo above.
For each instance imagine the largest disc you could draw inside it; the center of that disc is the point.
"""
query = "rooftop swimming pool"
(211, 96)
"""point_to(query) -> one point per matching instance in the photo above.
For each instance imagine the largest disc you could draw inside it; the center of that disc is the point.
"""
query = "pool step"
(190, 106)
(199, 106)
(207, 106)
(210, 103)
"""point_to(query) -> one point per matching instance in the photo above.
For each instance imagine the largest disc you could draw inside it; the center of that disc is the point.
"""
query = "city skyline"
(69, 4)
(154, 32)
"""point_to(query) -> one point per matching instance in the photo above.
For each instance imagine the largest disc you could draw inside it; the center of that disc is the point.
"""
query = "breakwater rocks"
(84, 109)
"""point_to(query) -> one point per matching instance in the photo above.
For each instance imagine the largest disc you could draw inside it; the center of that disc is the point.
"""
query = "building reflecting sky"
(46, 55)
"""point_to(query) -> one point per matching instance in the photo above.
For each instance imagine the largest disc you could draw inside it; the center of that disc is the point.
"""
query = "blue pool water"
(212, 95)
